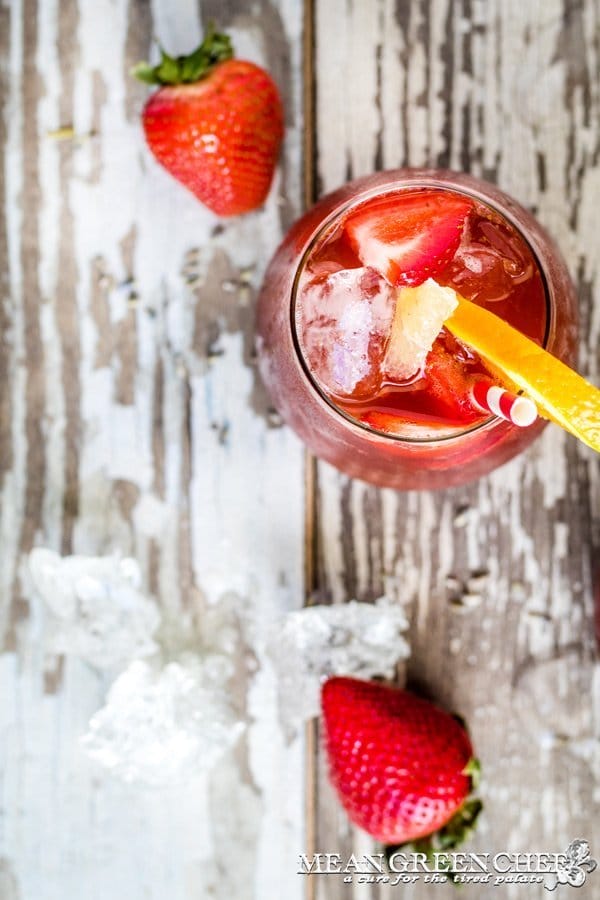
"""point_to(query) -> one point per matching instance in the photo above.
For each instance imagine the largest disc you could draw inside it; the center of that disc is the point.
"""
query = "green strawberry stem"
(215, 48)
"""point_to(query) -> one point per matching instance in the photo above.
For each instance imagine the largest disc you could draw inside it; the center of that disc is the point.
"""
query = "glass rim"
(420, 181)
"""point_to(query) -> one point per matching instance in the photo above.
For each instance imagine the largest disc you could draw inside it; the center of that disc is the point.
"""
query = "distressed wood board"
(132, 419)
(509, 92)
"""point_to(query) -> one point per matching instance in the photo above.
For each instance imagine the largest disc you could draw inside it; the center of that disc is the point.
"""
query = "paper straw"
(490, 397)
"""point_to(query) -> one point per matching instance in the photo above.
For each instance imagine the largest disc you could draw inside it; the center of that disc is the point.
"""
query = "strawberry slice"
(409, 237)
(450, 385)
(403, 426)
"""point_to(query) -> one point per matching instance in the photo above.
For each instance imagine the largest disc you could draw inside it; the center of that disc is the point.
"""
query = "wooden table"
(133, 419)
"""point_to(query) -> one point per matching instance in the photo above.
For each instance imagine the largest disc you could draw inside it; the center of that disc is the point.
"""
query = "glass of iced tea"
(351, 337)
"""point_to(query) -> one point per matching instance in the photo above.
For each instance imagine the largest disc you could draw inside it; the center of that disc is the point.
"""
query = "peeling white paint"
(112, 842)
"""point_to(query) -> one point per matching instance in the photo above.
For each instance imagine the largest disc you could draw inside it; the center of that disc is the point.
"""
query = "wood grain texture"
(509, 92)
(132, 420)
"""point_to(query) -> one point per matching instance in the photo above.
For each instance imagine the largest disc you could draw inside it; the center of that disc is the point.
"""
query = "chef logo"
(573, 866)
(402, 867)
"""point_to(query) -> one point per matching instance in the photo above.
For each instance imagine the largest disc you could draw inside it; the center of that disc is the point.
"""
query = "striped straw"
(514, 408)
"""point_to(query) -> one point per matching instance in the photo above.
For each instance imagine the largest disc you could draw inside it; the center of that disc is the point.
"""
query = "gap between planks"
(310, 466)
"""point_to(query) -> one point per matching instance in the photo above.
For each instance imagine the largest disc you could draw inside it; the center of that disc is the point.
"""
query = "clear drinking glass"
(404, 462)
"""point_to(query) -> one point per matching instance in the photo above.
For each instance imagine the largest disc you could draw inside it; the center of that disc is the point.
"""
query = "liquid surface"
(345, 305)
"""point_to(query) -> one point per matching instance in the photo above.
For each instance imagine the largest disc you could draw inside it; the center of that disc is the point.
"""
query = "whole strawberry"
(401, 766)
(215, 124)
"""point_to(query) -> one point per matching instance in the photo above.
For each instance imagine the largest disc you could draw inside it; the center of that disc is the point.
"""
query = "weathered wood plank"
(132, 420)
(508, 91)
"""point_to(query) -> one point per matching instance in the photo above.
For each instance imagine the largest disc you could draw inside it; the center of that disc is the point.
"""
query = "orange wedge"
(559, 393)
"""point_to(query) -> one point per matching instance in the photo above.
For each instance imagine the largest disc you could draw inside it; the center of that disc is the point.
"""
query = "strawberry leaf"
(143, 71)
(458, 830)
(193, 65)
(460, 827)
(473, 770)
(215, 48)
(168, 69)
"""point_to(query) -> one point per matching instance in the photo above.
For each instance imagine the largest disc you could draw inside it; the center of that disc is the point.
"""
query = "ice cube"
(98, 610)
(477, 269)
(344, 322)
(164, 725)
(311, 644)
(489, 263)
(419, 317)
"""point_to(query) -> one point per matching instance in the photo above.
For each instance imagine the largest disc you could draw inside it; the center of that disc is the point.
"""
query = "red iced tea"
(328, 324)
(344, 311)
